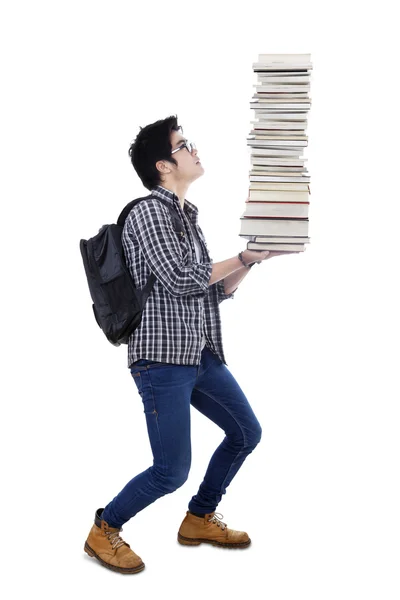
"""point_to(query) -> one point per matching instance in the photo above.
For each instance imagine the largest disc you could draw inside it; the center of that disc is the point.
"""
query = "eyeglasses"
(188, 145)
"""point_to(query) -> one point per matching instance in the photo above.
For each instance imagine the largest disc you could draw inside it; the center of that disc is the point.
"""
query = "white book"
(277, 239)
(277, 196)
(275, 152)
(275, 107)
(294, 179)
(263, 143)
(260, 160)
(257, 67)
(263, 226)
(266, 75)
(263, 99)
(289, 95)
(283, 103)
(261, 169)
(301, 117)
(285, 58)
(294, 239)
(273, 172)
(288, 78)
(278, 186)
(298, 87)
(285, 210)
(304, 66)
(277, 247)
(290, 125)
(262, 134)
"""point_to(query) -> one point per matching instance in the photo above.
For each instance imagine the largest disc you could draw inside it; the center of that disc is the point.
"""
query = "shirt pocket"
(184, 244)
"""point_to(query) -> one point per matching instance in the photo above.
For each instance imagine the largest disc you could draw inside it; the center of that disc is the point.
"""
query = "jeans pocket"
(149, 407)
(142, 362)
(137, 367)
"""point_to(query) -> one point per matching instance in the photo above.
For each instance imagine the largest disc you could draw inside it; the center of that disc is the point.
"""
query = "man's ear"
(162, 167)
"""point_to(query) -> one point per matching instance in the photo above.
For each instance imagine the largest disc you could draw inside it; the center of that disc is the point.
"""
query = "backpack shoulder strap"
(178, 229)
(122, 217)
(174, 214)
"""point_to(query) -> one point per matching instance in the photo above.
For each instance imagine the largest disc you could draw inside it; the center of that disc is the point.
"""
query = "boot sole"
(124, 570)
(197, 541)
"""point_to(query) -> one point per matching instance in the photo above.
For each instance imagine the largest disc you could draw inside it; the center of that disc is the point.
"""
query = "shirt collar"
(166, 194)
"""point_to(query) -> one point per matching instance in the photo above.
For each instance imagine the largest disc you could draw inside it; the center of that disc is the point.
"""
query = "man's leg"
(166, 391)
(219, 397)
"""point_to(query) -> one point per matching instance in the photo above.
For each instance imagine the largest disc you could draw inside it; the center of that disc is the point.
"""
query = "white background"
(312, 339)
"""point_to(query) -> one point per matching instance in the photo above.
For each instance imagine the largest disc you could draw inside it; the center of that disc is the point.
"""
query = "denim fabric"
(167, 391)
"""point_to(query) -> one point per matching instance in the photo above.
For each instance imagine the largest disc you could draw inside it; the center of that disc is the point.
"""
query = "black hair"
(153, 143)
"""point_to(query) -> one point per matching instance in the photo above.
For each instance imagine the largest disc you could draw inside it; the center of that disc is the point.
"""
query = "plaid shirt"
(181, 307)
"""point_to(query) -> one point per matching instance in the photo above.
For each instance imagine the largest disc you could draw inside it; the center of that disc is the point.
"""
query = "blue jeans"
(167, 391)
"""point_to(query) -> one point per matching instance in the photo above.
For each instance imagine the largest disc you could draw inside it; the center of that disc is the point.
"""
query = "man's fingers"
(280, 252)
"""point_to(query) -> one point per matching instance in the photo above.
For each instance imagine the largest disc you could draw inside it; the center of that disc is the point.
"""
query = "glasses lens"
(190, 146)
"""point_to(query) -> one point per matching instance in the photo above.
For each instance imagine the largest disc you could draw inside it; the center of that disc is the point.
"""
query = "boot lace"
(115, 540)
(217, 519)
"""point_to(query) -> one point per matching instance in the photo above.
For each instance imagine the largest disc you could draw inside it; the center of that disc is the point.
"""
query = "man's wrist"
(244, 263)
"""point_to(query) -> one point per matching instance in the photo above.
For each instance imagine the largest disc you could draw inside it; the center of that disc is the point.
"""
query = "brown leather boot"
(211, 530)
(109, 548)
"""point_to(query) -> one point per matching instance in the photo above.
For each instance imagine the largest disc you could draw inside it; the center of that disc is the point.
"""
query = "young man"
(176, 356)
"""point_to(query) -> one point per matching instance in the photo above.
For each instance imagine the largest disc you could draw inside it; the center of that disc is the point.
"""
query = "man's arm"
(232, 281)
(223, 291)
(152, 226)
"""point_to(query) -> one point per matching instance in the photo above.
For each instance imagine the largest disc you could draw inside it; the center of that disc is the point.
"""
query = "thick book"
(276, 135)
(275, 107)
(291, 88)
(279, 186)
(283, 116)
(285, 58)
(277, 239)
(274, 152)
(260, 169)
(263, 226)
(285, 100)
(260, 67)
(281, 73)
(285, 78)
(277, 247)
(294, 179)
(278, 161)
(294, 96)
(267, 103)
(288, 210)
(283, 62)
(277, 196)
(266, 107)
(278, 142)
(273, 125)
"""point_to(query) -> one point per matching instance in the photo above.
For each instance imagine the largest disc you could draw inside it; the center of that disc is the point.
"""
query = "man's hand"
(279, 252)
(258, 256)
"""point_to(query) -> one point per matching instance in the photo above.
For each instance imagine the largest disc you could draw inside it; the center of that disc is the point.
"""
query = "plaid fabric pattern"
(181, 307)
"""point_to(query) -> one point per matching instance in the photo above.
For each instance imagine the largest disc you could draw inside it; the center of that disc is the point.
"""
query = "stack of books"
(276, 211)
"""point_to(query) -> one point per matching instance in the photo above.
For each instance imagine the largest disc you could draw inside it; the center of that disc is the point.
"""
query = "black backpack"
(117, 304)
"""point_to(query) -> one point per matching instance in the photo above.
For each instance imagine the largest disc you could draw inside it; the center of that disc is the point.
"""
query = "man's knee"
(254, 436)
(174, 479)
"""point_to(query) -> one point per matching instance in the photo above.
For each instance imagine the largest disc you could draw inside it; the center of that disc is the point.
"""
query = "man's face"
(189, 167)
